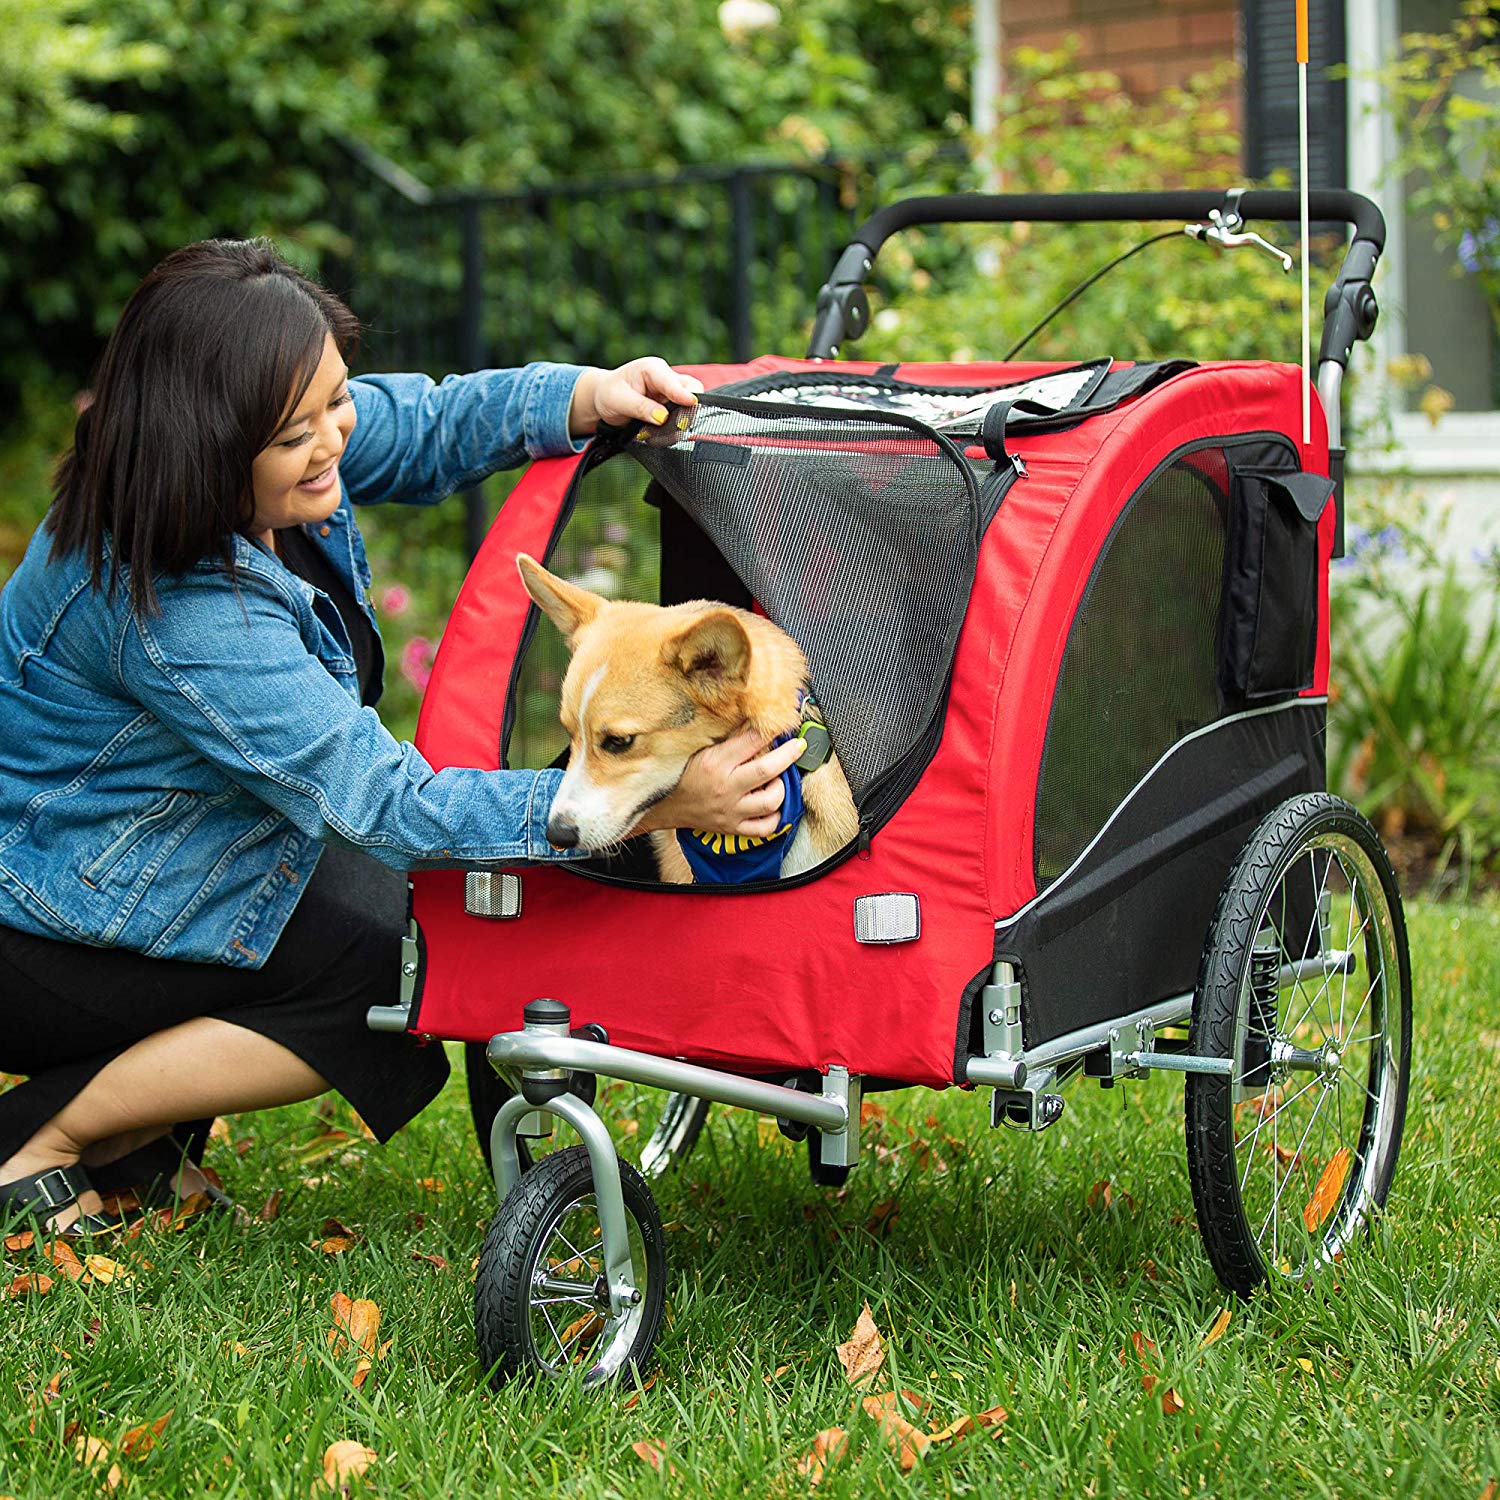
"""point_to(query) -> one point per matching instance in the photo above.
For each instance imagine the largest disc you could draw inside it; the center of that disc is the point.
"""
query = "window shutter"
(1271, 92)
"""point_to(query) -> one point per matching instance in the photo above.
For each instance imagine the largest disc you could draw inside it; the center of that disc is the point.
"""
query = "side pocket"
(1268, 634)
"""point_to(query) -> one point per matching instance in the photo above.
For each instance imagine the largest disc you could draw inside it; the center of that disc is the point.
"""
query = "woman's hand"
(634, 392)
(733, 787)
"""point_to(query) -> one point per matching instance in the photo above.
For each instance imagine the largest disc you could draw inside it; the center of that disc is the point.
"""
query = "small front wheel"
(541, 1298)
(1305, 986)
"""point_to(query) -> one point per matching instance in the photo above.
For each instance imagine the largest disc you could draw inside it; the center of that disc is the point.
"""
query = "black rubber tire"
(517, 1238)
(825, 1174)
(1281, 837)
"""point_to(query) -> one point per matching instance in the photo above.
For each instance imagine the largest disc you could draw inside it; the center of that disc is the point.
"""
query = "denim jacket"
(167, 785)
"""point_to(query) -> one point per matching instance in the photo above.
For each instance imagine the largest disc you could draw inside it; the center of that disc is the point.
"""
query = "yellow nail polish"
(659, 415)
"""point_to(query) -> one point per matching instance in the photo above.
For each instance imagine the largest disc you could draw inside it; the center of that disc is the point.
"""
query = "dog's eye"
(616, 744)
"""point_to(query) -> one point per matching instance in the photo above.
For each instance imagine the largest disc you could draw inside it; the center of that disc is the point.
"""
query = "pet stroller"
(1068, 626)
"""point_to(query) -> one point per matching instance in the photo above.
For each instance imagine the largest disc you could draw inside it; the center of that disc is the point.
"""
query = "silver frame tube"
(522, 1050)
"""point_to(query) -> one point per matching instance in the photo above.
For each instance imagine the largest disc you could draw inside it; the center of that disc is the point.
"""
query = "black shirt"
(302, 556)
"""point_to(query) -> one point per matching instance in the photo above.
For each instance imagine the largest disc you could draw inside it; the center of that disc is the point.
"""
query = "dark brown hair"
(214, 347)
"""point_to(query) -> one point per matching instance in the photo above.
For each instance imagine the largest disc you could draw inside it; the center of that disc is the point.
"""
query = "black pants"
(66, 1010)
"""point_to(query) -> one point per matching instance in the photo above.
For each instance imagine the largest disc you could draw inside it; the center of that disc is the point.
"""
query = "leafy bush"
(1070, 130)
(1414, 719)
(135, 126)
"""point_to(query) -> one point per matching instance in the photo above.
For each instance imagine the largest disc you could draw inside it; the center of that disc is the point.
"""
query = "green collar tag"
(815, 732)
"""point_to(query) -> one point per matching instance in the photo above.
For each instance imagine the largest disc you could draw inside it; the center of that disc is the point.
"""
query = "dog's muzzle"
(562, 833)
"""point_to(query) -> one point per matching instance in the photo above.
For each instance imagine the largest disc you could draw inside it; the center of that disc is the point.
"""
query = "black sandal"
(148, 1172)
(43, 1195)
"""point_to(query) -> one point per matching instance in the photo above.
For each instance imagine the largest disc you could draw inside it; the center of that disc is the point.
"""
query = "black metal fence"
(708, 264)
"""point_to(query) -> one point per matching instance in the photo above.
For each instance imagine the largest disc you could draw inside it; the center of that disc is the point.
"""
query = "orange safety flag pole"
(1302, 50)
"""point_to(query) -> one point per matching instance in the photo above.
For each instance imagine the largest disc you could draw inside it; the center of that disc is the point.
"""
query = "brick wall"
(1149, 43)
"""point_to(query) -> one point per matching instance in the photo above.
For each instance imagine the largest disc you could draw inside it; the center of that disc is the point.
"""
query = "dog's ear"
(569, 607)
(713, 652)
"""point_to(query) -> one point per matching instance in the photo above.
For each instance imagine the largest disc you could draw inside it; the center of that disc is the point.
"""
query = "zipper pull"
(862, 845)
(1019, 465)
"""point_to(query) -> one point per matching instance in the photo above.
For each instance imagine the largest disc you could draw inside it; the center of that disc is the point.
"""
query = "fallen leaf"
(1144, 1349)
(65, 1259)
(340, 1230)
(907, 1442)
(24, 1286)
(973, 1422)
(139, 1441)
(90, 1451)
(578, 1337)
(1221, 1323)
(885, 1214)
(1101, 1192)
(50, 1390)
(432, 1260)
(432, 1184)
(828, 1447)
(871, 1113)
(336, 1245)
(864, 1352)
(271, 1207)
(1305, 1365)
(1491, 1491)
(1326, 1194)
(23, 1241)
(219, 1130)
(652, 1453)
(354, 1322)
(104, 1271)
(891, 1401)
(635, 1398)
(344, 1461)
(1171, 1402)
(92, 1331)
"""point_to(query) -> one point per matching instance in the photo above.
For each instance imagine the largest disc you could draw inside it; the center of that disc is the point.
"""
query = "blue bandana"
(729, 859)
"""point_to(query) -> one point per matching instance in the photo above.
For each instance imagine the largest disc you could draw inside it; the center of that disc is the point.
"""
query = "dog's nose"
(562, 833)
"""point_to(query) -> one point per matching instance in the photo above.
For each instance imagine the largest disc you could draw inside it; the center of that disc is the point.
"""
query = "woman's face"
(295, 477)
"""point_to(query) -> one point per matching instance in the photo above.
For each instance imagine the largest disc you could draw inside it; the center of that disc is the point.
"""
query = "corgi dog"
(646, 688)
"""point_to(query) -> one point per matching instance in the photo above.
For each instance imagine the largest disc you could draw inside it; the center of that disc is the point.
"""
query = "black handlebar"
(1349, 309)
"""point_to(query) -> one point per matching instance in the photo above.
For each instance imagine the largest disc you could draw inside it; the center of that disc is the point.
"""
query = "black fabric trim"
(1124, 927)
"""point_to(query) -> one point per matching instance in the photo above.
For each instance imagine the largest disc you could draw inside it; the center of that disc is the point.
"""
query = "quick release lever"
(1227, 232)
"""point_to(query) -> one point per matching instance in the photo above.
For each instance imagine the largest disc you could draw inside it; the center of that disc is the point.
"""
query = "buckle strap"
(56, 1188)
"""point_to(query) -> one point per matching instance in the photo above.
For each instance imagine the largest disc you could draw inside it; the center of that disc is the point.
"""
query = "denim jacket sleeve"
(242, 689)
(416, 442)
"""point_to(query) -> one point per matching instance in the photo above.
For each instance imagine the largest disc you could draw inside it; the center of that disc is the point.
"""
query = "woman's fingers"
(642, 390)
(769, 766)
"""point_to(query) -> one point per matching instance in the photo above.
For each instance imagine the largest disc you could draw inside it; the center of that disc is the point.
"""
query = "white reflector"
(492, 895)
(895, 917)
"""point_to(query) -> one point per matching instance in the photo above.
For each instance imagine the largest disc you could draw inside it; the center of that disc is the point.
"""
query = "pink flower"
(396, 600)
(416, 662)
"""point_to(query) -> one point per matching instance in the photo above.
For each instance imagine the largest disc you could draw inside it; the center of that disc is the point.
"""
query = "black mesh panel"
(1140, 669)
(609, 545)
(858, 536)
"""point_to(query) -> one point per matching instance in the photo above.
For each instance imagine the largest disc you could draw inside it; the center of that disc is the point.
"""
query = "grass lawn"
(1004, 1278)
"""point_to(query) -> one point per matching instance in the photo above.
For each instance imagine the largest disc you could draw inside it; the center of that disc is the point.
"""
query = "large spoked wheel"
(541, 1304)
(666, 1126)
(1305, 985)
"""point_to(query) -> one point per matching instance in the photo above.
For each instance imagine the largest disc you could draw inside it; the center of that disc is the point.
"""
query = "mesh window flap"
(492, 894)
(893, 917)
(857, 532)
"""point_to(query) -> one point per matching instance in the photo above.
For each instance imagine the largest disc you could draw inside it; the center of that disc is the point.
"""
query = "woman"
(204, 827)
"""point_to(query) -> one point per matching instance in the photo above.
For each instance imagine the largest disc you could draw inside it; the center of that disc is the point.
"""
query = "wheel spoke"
(1249, 1141)
(1281, 1187)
